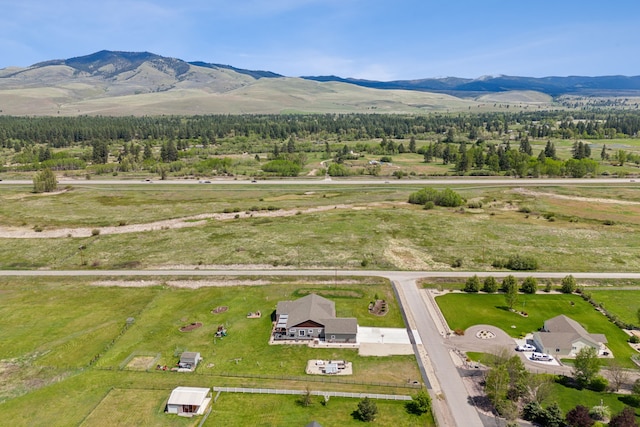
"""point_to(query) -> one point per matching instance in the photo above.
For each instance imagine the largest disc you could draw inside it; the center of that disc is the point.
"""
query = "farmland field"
(318, 227)
(83, 332)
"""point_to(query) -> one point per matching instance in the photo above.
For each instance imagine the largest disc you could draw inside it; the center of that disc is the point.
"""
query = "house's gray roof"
(190, 357)
(562, 331)
(311, 307)
(342, 325)
(188, 396)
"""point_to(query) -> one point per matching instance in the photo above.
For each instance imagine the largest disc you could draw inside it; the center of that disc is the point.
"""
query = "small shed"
(189, 360)
(189, 400)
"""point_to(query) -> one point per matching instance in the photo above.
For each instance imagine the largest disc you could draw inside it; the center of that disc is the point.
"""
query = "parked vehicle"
(525, 347)
(541, 357)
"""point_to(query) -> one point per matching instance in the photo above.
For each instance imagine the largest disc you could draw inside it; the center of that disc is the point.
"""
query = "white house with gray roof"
(313, 317)
(563, 336)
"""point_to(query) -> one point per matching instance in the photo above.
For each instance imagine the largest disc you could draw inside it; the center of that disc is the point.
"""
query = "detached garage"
(189, 401)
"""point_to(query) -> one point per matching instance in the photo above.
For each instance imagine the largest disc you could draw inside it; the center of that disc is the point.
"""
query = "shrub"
(472, 284)
(367, 409)
(600, 413)
(490, 285)
(423, 196)
(530, 285)
(429, 205)
(457, 263)
(95, 232)
(282, 167)
(449, 198)
(634, 339)
(521, 263)
(45, 181)
(598, 383)
(474, 205)
(568, 284)
(579, 417)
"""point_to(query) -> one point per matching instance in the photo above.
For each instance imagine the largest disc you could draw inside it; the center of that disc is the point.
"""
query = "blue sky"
(372, 39)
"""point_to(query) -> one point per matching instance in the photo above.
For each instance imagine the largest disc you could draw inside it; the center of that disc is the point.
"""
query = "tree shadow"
(503, 307)
(481, 402)
(630, 400)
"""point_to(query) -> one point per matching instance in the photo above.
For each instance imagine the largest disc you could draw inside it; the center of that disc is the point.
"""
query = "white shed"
(189, 400)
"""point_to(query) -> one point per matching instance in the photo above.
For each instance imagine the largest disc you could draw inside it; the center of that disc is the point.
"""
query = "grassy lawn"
(269, 410)
(245, 350)
(623, 303)
(491, 310)
(569, 398)
(68, 322)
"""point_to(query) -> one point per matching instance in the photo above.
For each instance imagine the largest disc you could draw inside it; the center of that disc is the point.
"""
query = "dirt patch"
(404, 257)
(141, 362)
(220, 309)
(528, 192)
(190, 327)
(190, 221)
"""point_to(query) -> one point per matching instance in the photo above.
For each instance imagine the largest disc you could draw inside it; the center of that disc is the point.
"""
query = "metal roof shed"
(189, 400)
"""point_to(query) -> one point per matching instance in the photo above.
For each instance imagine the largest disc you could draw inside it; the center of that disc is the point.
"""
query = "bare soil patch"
(141, 362)
(220, 309)
(528, 192)
(191, 327)
(177, 223)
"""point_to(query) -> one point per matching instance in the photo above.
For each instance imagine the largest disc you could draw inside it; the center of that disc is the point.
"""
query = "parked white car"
(541, 357)
(525, 347)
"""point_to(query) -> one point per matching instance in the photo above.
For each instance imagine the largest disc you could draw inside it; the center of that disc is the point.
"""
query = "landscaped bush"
(472, 284)
(599, 383)
(490, 285)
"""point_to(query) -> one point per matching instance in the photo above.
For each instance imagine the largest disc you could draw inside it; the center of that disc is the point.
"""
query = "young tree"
(579, 417)
(45, 181)
(412, 145)
(617, 375)
(586, 366)
(490, 285)
(568, 284)
(553, 416)
(626, 418)
(530, 285)
(419, 404)
(510, 289)
(472, 284)
(367, 409)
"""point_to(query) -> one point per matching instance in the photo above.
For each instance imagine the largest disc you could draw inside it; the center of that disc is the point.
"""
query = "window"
(333, 337)
(301, 332)
(310, 331)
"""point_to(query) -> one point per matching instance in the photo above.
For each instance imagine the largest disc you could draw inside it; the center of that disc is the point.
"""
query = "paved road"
(442, 374)
(390, 274)
(480, 181)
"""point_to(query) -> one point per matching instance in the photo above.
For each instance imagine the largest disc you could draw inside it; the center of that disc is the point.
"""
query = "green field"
(491, 309)
(66, 346)
(320, 227)
(622, 303)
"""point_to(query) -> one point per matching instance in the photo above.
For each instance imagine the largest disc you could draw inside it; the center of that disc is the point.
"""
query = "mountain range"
(123, 83)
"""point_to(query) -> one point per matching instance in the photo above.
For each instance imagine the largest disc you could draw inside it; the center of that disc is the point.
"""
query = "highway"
(509, 182)
(453, 409)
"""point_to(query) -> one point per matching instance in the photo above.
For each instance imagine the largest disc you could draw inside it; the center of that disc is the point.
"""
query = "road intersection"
(452, 402)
